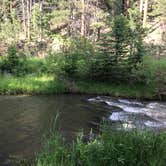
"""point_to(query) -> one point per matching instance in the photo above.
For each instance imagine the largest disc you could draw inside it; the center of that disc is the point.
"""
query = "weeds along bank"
(47, 84)
(111, 148)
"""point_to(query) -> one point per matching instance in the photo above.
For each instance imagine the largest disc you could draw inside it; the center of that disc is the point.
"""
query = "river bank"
(48, 84)
(44, 84)
(112, 148)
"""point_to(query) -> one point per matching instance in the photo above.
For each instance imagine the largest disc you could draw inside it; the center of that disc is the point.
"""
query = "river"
(25, 119)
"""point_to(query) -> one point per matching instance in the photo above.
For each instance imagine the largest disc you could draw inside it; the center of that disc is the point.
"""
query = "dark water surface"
(25, 119)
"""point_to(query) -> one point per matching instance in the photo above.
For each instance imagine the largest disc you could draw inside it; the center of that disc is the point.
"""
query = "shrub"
(37, 65)
(74, 64)
(14, 63)
(153, 72)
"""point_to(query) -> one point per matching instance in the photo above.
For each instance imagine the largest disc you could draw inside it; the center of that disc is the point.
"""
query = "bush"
(152, 72)
(72, 65)
(14, 63)
(37, 65)
(76, 65)
(119, 52)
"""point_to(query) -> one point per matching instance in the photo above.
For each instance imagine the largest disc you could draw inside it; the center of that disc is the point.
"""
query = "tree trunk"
(141, 6)
(23, 18)
(28, 20)
(145, 13)
(127, 6)
(41, 10)
(83, 22)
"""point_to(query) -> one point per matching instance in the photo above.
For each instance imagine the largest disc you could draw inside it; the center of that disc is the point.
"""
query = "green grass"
(113, 148)
(30, 84)
(130, 91)
(47, 84)
(33, 83)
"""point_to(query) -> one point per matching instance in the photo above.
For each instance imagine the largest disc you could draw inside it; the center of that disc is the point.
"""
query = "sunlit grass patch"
(30, 84)
(49, 84)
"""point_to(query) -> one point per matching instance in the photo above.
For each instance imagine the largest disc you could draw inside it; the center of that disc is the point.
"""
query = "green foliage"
(127, 36)
(72, 64)
(10, 28)
(37, 66)
(30, 84)
(113, 148)
(121, 35)
(152, 72)
(14, 63)
(122, 90)
(100, 67)
(122, 48)
(119, 52)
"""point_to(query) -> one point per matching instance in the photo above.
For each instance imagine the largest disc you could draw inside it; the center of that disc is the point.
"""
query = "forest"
(100, 43)
(114, 48)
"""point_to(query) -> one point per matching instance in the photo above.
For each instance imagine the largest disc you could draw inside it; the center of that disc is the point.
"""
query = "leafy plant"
(14, 63)
(152, 72)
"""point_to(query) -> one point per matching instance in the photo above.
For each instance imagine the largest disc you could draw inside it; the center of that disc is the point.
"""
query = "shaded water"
(24, 119)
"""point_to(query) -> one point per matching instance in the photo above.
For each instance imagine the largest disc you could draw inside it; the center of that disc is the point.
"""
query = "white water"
(135, 114)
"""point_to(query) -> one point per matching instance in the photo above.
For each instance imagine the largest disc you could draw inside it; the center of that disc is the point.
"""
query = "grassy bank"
(30, 84)
(121, 90)
(111, 149)
(47, 84)
(30, 75)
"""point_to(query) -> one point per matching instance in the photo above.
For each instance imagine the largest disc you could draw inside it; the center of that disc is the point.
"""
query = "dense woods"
(36, 20)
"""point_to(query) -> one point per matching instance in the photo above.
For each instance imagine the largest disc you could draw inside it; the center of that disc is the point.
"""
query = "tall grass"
(120, 90)
(50, 84)
(113, 148)
(30, 84)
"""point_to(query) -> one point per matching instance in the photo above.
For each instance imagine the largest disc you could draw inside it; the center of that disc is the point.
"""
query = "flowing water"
(25, 119)
(129, 114)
